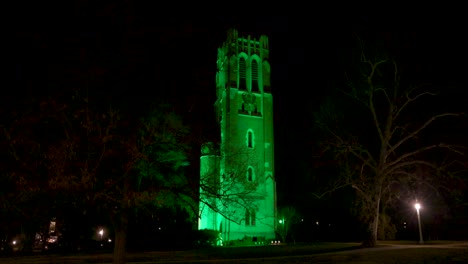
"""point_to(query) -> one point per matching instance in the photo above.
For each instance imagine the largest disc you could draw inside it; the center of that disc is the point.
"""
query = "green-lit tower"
(238, 192)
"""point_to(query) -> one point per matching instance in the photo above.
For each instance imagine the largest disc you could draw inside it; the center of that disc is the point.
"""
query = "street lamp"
(282, 230)
(101, 232)
(418, 206)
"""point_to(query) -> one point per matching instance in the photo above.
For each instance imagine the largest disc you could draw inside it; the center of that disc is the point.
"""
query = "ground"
(386, 252)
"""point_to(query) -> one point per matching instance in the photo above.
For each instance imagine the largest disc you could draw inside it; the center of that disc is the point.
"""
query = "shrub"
(206, 237)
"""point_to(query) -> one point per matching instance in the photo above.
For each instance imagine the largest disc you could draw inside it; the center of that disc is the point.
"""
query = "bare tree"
(25, 203)
(230, 187)
(287, 217)
(374, 163)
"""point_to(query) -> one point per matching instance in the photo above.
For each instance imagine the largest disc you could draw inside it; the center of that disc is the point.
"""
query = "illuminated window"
(242, 75)
(255, 88)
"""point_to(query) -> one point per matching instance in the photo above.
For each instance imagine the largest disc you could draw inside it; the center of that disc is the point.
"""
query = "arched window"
(249, 139)
(254, 68)
(250, 217)
(242, 74)
(250, 174)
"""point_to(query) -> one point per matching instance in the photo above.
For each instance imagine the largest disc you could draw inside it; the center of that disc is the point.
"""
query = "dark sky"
(138, 51)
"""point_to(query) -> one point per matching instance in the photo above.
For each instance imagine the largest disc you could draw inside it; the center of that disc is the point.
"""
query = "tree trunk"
(370, 239)
(120, 249)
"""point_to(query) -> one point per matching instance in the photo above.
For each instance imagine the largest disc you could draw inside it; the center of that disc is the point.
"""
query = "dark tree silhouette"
(375, 130)
(79, 154)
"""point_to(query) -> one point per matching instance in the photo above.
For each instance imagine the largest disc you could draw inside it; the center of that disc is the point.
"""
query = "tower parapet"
(234, 73)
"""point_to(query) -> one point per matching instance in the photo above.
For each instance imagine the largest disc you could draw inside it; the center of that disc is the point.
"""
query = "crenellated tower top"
(236, 44)
(243, 66)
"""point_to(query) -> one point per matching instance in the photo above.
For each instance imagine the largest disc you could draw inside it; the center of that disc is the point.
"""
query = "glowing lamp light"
(418, 206)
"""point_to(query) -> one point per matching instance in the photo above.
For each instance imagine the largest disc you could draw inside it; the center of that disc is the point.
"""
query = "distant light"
(317, 223)
(14, 242)
(110, 240)
(417, 206)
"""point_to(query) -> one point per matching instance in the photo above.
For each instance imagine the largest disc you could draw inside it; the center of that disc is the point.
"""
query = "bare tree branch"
(410, 100)
(415, 132)
(407, 164)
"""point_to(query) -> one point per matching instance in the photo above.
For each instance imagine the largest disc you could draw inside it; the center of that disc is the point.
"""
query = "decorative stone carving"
(250, 102)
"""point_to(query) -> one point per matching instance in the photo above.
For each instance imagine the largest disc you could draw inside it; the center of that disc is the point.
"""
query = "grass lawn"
(322, 252)
(394, 256)
(329, 252)
(413, 242)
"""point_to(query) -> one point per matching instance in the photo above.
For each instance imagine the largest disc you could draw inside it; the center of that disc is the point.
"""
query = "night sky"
(134, 53)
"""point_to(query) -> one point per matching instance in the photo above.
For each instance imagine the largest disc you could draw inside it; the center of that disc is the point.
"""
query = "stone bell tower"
(238, 192)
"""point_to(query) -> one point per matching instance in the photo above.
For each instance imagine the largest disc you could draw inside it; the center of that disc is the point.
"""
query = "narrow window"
(250, 139)
(255, 88)
(247, 217)
(249, 174)
(252, 217)
(242, 75)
